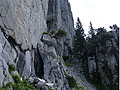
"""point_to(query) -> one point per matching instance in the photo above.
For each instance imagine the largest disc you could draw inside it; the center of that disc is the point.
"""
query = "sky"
(102, 13)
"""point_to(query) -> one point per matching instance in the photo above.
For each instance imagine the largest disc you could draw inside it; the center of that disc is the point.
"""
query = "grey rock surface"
(60, 17)
(52, 67)
(7, 54)
(24, 20)
(27, 67)
(47, 39)
(40, 82)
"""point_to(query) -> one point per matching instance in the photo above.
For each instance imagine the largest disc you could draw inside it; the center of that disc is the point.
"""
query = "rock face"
(22, 42)
(7, 53)
(60, 17)
(24, 20)
(53, 69)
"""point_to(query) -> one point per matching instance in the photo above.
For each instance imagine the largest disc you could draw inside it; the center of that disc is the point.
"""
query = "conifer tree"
(79, 40)
(91, 30)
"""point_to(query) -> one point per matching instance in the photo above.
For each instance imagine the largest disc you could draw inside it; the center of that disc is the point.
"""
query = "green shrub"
(82, 88)
(7, 86)
(53, 32)
(4, 88)
(45, 32)
(72, 82)
(21, 85)
(75, 88)
(60, 33)
(18, 85)
(12, 68)
(16, 78)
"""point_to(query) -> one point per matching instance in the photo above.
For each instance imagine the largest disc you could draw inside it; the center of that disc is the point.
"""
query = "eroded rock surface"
(22, 42)
(24, 20)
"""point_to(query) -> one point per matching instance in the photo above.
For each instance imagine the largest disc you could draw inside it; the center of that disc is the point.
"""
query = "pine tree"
(79, 40)
(92, 30)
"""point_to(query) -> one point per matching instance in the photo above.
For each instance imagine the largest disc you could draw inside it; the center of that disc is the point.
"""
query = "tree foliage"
(79, 40)
(97, 41)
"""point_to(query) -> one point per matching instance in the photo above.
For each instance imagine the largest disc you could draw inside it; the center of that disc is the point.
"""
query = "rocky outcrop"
(60, 17)
(23, 43)
(53, 69)
(40, 82)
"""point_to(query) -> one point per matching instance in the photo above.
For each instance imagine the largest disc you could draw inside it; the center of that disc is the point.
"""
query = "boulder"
(31, 80)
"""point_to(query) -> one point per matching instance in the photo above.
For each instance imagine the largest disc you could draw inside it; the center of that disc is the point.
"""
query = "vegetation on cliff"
(99, 45)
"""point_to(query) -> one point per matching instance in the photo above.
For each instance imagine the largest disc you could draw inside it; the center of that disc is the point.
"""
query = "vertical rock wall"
(22, 43)
(60, 17)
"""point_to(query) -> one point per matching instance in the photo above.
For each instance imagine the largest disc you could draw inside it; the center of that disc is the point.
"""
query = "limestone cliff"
(24, 44)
